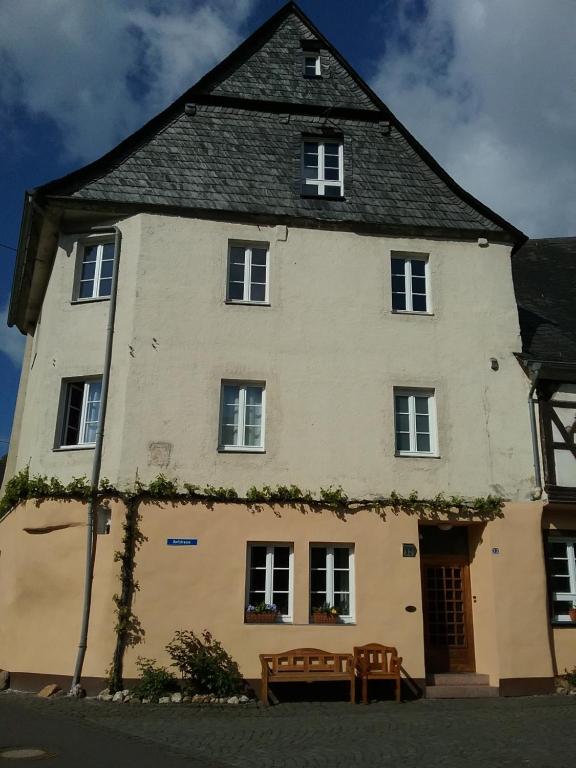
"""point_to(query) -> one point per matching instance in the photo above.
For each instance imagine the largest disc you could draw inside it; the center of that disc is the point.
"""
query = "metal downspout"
(534, 433)
(96, 463)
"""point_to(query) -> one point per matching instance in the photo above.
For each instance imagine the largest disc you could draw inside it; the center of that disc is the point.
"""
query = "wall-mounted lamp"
(445, 526)
(494, 364)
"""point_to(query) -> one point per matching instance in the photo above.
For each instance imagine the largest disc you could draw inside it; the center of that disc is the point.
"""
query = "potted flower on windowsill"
(572, 612)
(325, 614)
(261, 613)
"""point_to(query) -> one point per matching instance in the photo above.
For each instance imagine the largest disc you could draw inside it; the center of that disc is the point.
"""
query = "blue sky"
(486, 86)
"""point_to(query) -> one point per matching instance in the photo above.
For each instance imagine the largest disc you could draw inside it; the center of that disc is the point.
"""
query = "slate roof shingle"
(544, 272)
(244, 161)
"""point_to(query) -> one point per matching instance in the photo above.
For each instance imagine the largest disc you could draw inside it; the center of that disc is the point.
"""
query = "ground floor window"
(332, 579)
(270, 577)
(562, 576)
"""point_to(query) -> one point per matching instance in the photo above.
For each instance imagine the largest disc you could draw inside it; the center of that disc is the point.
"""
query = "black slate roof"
(273, 72)
(232, 159)
(544, 274)
(240, 150)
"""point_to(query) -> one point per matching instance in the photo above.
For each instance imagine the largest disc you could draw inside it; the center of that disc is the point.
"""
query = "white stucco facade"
(328, 347)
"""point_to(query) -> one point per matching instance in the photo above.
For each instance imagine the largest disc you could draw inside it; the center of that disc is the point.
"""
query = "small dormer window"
(312, 65)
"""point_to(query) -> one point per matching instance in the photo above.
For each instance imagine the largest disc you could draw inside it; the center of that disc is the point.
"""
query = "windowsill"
(411, 312)
(312, 77)
(564, 624)
(239, 449)
(91, 300)
(278, 623)
(322, 197)
(414, 455)
(87, 447)
(247, 303)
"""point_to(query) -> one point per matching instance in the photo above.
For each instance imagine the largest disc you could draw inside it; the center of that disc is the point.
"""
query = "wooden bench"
(306, 665)
(377, 662)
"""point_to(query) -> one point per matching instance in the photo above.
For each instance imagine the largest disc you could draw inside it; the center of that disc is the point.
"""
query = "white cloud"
(11, 342)
(488, 87)
(101, 69)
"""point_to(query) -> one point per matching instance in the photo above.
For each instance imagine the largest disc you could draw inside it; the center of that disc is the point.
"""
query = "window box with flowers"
(261, 613)
(325, 614)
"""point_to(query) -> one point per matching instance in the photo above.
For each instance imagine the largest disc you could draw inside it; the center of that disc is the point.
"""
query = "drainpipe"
(96, 463)
(534, 431)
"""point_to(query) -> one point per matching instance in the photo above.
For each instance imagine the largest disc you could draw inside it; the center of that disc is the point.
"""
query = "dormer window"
(322, 168)
(312, 65)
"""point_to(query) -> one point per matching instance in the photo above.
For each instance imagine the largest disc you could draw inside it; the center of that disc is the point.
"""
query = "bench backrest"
(308, 661)
(376, 658)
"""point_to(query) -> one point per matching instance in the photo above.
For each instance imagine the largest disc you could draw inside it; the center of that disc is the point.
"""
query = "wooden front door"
(447, 609)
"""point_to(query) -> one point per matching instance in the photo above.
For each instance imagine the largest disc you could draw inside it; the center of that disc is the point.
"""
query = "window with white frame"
(95, 271)
(248, 273)
(312, 65)
(270, 577)
(562, 576)
(242, 416)
(410, 284)
(323, 168)
(415, 422)
(81, 412)
(332, 578)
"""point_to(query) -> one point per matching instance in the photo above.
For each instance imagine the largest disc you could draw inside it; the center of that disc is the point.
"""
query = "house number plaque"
(409, 550)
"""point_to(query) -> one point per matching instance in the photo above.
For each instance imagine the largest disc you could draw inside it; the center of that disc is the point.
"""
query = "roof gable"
(270, 67)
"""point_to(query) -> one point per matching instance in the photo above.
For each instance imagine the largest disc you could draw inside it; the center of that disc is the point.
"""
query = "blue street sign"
(182, 542)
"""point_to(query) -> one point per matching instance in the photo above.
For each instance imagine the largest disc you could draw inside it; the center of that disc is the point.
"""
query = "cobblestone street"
(536, 731)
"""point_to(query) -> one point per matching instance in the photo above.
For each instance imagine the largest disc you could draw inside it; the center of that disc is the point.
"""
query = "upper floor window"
(81, 412)
(410, 284)
(270, 577)
(242, 416)
(323, 168)
(331, 579)
(248, 274)
(562, 572)
(415, 422)
(95, 274)
(312, 65)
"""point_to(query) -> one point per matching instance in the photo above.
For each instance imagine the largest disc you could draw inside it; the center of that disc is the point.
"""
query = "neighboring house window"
(81, 412)
(312, 66)
(322, 168)
(270, 576)
(242, 416)
(332, 579)
(415, 422)
(248, 273)
(410, 284)
(95, 278)
(562, 572)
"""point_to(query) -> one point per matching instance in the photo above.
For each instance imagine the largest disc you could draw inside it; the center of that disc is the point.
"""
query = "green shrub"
(153, 681)
(570, 676)
(204, 664)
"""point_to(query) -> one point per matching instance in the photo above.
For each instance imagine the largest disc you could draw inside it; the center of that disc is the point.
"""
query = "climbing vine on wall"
(23, 486)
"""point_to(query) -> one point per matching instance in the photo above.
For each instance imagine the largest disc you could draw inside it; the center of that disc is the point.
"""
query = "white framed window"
(242, 406)
(312, 65)
(562, 576)
(94, 278)
(332, 578)
(410, 283)
(248, 267)
(323, 168)
(415, 422)
(271, 577)
(81, 413)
